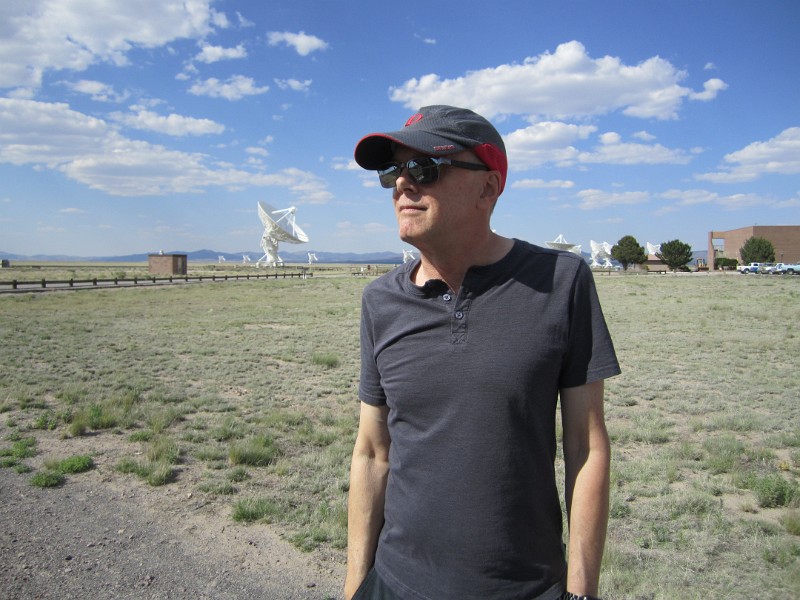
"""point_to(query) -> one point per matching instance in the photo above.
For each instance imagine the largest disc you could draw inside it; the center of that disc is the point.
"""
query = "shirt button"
(446, 297)
(459, 314)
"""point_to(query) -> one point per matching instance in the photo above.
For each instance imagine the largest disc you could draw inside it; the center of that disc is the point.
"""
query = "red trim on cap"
(413, 119)
(495, 159)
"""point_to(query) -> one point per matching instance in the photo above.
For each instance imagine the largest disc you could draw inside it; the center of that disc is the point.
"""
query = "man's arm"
(368, 472)
(587, 457)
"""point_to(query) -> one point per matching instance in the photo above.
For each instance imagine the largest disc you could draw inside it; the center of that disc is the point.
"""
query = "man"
(464, 353)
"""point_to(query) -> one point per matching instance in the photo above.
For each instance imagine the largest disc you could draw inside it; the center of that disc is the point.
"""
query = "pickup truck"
(784, 269)
(750, 268)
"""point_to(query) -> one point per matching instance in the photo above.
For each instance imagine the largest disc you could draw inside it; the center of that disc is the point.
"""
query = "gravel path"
(101, 537)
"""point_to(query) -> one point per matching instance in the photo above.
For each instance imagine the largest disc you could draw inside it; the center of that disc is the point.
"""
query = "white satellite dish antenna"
(561, 243)
(601, 251)
(653, 249)
(245, 259)
(312, 257)
(408, 255)
(279, 226)
(220, 259)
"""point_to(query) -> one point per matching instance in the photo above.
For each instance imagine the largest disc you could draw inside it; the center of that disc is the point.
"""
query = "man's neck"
(451, 265)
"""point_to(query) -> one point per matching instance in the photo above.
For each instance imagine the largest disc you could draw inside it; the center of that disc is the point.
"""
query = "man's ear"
(491, 187)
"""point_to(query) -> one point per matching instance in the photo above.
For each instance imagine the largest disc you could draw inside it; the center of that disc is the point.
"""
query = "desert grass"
(252, 387)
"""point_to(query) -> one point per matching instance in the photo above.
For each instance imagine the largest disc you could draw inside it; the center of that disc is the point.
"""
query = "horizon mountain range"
(206, 255)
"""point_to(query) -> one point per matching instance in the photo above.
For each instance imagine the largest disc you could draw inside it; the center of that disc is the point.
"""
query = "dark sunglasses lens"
(423, 170)
(388, 175)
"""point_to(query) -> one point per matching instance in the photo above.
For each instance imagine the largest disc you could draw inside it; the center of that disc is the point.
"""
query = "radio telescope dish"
(279, 226)
(561, 243)
(408, 255)
(245, 259)
(601, 251)
(653, 249)
(312, 257)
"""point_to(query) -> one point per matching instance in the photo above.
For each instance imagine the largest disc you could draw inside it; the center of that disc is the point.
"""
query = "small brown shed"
(167, 264)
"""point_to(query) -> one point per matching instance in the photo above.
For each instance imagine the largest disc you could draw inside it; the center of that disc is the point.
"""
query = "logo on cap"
(414, 119)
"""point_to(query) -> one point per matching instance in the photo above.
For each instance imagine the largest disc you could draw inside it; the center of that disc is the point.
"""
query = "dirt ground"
(107, 535)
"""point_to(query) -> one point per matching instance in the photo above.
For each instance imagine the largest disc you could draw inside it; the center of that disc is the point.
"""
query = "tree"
(675, 254)
(757, 249)
(627, 251)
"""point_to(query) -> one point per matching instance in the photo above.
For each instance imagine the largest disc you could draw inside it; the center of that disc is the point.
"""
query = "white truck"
(784, 269)
(753, 267)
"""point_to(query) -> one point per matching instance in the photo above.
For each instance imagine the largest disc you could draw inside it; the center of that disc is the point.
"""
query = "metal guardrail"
(96, 283)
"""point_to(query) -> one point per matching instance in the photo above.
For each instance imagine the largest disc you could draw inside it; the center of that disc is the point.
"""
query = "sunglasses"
(423, 170)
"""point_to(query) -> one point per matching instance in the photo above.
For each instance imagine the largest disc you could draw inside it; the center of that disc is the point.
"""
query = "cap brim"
(375, 150)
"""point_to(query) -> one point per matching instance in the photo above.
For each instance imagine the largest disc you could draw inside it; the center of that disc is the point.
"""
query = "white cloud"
(294, 84)
(256, 151)
(696, 197)
(71, 211)
(210, 54)
(44, 35)
(302, 43)
(565, 84)
(779, 155)
(88, 150)
(644, 136)
(340, 163)
(172, 124)
(99, 91)
(711, 88)
(595, 199)
(527, 184)
(235, 88)
(545, 142)
(244, 21)
(553, 142)
(612, 151)
(425, 40)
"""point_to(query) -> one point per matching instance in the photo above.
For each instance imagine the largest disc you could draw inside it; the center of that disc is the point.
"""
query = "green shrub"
(143, 435)
(74, 464)
(248, 510)
(159, 474)
(724, 453)
(163, 449)
(238, 474)
(327, 360)
(774, 491)
(24, 448)
(791, 522)
(154, 473)
(726, 263)
(45, 479)
(47, 420)
(219, 488)
(258, 451)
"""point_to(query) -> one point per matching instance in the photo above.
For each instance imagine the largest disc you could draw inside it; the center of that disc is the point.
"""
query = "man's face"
(429, 215)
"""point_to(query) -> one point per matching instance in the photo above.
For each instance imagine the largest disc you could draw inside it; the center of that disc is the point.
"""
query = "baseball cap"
(438, 130)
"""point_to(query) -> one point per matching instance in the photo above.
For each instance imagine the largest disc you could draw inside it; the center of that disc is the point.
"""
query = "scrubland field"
(244, 394)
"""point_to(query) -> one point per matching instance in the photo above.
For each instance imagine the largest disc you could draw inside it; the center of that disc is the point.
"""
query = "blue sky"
(131, 127)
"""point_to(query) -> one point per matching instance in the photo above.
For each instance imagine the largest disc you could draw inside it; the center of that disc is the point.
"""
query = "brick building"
(727, 244)
(167, 264)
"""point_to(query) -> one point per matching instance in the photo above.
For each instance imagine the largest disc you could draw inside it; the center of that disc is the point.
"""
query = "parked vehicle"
(753, 267)
(784, 269)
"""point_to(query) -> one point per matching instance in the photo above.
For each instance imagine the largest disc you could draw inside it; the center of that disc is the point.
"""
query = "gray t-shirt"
(471, 381)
